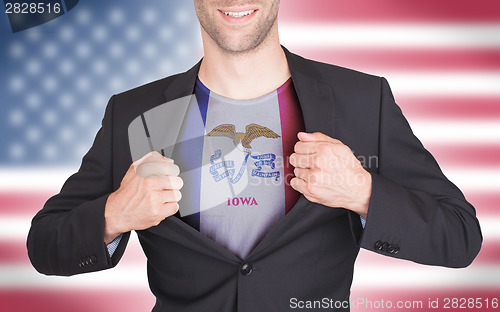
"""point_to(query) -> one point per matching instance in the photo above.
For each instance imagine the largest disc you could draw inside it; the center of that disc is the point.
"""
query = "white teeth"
(239, 14)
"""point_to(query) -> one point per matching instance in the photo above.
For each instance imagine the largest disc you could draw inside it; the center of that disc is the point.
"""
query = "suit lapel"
(315, 98)
(183, 84)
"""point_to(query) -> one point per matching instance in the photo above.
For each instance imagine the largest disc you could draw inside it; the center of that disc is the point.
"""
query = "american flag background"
(441, 57)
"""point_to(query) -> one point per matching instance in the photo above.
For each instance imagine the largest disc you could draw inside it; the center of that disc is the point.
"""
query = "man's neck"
(245, 75)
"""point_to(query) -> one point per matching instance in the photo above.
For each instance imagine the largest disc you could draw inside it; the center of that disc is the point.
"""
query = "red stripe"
(292, 122)
(489, 255)
(366, 299)
(105, 300)
(22, 202)
(450, 107)
(382, 60)
(77, 300)
(391, 11)
(486, 204)
(14, 252)
(463, 156)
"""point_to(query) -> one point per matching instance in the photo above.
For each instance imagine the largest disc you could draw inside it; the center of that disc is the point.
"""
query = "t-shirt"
(236, 179)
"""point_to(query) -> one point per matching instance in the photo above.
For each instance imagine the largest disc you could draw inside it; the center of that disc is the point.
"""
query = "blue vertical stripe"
(188, 155)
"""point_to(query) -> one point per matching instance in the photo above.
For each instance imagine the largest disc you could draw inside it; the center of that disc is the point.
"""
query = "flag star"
(50, 50)
(33, 67)
(116, 49)
(83, 49)
(82, 83)
(66, 67)
(50, 83)
(99, 67)
(182, 16)
(49, 117)
(116, 16)
(66, 100)
(99, 33)
(149, 50)
(16, 84)
(33, 134)
(33, 100)
(49, 151)
(83, 16)
(132, 33)
(82, 118)
(149, 16)
(165, 33)
(16, 118)
(16, 50)
(67, 33)
(33, 34)
(66, 134)
(17, 151)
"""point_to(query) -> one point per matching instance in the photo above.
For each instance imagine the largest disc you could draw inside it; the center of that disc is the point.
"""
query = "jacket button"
(93, 260)
(390, 249)
(246, 269)
(395, 249)
(378, 245)
(385, 245)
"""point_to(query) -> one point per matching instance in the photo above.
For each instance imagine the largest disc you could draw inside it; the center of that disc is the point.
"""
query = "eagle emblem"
(253, 131)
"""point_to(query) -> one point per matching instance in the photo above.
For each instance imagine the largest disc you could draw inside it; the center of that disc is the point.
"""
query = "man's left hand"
(327, 172)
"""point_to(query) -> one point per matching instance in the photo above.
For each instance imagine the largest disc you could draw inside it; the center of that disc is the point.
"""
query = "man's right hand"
(148, 193)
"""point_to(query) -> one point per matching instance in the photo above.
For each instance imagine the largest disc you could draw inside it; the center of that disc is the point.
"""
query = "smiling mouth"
(239, 14)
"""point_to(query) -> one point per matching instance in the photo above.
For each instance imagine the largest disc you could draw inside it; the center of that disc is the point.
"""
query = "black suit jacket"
(415, 213)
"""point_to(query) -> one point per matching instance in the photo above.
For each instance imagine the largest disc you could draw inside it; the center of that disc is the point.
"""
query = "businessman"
(294, 227)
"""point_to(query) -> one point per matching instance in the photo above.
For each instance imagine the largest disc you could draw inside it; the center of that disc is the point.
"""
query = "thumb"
(316, 137)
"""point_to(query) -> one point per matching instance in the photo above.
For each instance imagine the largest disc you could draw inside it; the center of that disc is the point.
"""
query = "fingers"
(316, 137)
(170, 196)
(157, 168)
(301, 186)
(301, 173)
(171, 208)
(171, 183)
(151, 156)
(302, 161)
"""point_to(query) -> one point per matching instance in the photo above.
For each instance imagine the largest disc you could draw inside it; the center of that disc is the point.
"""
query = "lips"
(238, 15)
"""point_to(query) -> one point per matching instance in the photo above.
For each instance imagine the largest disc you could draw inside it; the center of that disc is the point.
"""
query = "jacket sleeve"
(415, 212)
(67, 236)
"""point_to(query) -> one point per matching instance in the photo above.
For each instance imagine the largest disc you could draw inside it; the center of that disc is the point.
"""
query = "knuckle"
(317, 161)
(173, 169)
(177, 182)
(172, 208)
(177, 195)
(310, 189)
(295, 147)
(315, 177)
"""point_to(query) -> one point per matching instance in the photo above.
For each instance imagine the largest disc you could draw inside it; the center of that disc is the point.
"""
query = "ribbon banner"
(262, 160)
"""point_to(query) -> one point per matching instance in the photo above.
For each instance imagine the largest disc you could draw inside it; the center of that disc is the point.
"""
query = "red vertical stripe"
(292, 123)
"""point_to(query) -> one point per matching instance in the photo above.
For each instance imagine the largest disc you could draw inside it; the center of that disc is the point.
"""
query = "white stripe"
(457, 131)
(470, 83)
(472, 180)
(333, 35)
(122, 277)
(417, 276)
(381, 275)
(25, 178)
